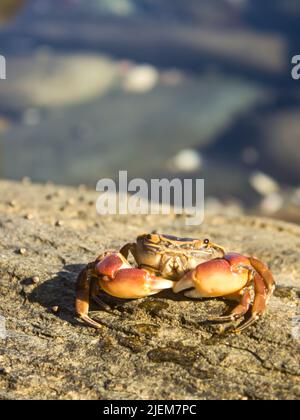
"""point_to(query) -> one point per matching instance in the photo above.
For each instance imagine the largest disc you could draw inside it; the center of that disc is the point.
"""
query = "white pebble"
(186, 160)
(263, 184)
(272, 203)
(141, 79)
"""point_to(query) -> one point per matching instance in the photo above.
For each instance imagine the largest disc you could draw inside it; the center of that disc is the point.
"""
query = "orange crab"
(200, 268)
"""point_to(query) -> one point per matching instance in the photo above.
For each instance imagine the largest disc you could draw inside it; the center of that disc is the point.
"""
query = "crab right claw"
(228, 277)
(113, 274)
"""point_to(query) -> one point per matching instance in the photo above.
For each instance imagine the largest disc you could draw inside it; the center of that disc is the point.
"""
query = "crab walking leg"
(240, 310)
(83, 286)
(265, 274)
(259, 303)
(94, 294)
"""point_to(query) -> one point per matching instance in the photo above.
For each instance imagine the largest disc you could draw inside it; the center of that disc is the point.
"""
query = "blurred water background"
(172, 88)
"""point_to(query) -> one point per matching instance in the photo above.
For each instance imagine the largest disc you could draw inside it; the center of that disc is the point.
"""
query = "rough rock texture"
(148, 348)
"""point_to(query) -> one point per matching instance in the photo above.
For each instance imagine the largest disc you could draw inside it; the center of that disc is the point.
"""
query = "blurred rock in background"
(46, 79)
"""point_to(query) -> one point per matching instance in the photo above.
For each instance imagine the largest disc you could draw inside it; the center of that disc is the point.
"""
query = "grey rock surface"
(149, 348)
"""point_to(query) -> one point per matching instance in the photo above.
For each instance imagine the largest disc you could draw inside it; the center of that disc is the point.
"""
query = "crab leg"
(240, 310)
(94, 293)
(265, 274)
(259, 303)
(83, 286)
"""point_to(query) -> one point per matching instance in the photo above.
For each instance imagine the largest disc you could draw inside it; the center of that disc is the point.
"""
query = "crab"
(199, 268)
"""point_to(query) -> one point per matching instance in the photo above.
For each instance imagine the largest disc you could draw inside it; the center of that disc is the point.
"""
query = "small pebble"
(272, 203)
(59, 223)
(70, 201)
(5, 370)
(35, 279)
(29, 216)
(187, 160)
(263, 183)
(141, 79)
(22, 251)
(55, 309)
(13, 203)
(81, 213)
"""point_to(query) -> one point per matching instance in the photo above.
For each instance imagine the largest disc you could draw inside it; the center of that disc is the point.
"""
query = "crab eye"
(153, 238)
(206, 241)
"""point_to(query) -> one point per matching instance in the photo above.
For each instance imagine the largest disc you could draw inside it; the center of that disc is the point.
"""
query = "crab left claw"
(113, 274)
(231, 277)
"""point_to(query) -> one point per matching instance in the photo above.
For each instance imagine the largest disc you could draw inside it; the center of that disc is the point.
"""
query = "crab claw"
(214, 278)
(119, 279)
(231, 277)
(112, 272)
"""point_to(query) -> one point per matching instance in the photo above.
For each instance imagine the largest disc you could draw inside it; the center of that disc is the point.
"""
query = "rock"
(195, 112)
(279, 138)
(149, 348)
(48, 79)
(204, 36)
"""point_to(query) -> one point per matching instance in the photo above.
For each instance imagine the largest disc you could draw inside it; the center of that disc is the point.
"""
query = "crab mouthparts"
(183, 284)
(217, 252)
